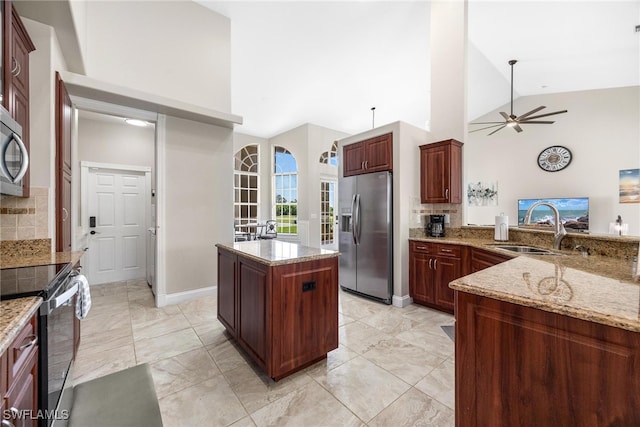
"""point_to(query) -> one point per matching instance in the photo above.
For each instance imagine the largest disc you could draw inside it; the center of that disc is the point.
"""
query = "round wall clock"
(554, 158)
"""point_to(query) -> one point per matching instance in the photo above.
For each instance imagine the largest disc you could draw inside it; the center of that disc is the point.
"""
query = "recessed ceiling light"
(136, 122)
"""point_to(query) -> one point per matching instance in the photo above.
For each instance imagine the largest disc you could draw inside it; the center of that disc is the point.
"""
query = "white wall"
(602, 131)
(175, 49)
(199, 181)
(43, 62)
(448, 33)
(108, 142)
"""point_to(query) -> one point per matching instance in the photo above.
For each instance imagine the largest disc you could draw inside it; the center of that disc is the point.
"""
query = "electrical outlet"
(446, 218)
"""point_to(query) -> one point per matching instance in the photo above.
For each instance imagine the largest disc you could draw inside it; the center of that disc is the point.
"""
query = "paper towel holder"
(501, 233)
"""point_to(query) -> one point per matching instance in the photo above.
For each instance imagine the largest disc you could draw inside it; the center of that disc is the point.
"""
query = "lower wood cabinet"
(284, 316)
(520, 366)
(19, 378)
(431, 267)
(481, 259)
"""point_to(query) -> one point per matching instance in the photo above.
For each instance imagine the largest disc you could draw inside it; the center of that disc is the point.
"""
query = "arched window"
(285, 191)
(245, 185)
(330, 157)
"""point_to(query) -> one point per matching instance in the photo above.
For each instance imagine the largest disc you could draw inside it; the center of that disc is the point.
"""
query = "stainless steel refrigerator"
(366, 235)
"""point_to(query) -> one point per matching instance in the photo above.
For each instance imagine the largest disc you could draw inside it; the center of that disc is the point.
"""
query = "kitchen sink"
(526, 250)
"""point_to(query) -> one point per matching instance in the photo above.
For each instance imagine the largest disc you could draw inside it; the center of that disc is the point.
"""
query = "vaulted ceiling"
(328, 63)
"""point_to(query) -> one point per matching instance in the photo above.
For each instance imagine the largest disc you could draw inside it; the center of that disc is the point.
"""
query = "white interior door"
(117, 243)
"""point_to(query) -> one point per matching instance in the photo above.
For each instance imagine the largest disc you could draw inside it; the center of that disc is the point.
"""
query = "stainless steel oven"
(14, 156)
(55, 333)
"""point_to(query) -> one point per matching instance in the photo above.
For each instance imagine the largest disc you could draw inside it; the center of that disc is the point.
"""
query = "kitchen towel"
(83, 304)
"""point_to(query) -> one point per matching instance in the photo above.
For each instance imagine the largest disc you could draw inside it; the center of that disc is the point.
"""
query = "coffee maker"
(435, 226)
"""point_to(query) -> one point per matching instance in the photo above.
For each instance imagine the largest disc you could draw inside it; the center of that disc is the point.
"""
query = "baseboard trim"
(179, 297)
(402, 301)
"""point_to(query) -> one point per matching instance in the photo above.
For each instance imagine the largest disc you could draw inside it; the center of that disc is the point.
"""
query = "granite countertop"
(14, 315)
(553, 287)
(40, 259)
(594, 288)
(277, 252)
(605, 266)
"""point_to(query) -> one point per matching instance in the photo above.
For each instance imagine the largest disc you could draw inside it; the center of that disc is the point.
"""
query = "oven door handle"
(66, 296)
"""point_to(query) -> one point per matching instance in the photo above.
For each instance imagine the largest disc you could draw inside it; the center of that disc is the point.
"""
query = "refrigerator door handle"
(356, 224)
(353, 219)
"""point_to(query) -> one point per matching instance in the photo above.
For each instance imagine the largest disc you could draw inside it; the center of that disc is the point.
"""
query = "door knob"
(94, 232)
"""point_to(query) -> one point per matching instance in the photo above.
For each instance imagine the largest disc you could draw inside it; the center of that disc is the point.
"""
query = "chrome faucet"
(560, 232)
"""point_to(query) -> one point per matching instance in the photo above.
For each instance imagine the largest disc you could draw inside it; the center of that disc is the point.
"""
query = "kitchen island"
(539, 343)
(279, 300)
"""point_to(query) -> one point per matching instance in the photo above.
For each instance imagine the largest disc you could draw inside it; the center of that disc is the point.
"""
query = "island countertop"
(277, 252)
(554, 287)
(14, 315)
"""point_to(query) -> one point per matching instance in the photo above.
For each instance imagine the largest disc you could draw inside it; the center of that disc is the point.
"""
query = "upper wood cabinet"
(15, 63)
(371, 155)
(441, 172)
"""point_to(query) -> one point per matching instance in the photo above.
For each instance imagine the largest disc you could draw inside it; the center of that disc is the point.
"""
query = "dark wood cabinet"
(520, 366)
(432, 266)
(18, 382)
(481, 259)
(441, 172)
(252, 308)
(284, 316)
(227, 290)
(63, 167)
(371, 155)
(15, 63)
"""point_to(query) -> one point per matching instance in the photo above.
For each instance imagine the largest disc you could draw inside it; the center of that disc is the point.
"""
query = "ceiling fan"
(513, 121)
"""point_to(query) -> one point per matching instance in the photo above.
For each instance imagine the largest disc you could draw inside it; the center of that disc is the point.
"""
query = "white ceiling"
(328, 63)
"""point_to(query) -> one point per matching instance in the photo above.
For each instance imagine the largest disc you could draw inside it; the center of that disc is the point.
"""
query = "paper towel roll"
(502, 228)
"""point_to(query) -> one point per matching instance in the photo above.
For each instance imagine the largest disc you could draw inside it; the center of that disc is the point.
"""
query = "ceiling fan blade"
(501, 127)
(535, 110)
(487, 127)
(486, 123)
(545, 115)
(517, 128)
(538, 122)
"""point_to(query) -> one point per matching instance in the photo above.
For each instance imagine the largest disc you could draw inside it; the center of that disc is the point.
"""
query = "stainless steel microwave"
(14, 157)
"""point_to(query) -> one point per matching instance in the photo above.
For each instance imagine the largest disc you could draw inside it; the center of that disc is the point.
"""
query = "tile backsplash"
(25, 218)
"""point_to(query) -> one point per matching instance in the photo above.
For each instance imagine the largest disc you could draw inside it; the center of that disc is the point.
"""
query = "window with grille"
(246, 185)
(285, 186)
(330, 157)
(327, 205)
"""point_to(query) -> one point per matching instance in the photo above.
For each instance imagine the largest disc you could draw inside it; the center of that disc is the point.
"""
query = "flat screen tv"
(574, 213)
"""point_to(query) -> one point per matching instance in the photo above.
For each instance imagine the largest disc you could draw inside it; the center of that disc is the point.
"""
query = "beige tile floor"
(394, 367)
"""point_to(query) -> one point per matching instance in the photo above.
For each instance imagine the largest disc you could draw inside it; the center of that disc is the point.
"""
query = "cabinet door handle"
(446, 250)
(65, 213)
(430, 261)
(33, 340)
(7, 423)
(446, 194)
(435, 264)
(18, 70)
(366, 164)
(421, 247)
(14, 66)
(362, 165)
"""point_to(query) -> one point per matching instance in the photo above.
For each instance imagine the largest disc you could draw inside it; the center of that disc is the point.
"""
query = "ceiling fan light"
(511, 124)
